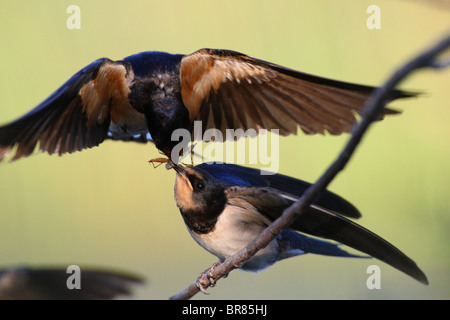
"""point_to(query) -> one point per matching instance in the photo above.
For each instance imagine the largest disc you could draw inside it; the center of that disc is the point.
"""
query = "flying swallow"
(25, 283)
(226, 206)
(146, 96)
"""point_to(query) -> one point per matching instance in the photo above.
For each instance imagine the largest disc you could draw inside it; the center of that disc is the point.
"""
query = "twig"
(372, 109)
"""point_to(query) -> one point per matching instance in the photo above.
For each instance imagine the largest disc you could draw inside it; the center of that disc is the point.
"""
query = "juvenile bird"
(226, 206)
(147, 96)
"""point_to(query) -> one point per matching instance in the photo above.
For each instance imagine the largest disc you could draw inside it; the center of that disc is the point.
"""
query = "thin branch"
(372, 109)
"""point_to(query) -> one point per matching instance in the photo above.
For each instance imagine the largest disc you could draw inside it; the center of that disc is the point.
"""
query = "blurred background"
(107, 206)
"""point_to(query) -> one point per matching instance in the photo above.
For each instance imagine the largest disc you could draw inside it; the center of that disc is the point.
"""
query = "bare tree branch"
(373, 108)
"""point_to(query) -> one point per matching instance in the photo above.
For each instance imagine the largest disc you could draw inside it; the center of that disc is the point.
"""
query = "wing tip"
(419, 275)
(400, 94)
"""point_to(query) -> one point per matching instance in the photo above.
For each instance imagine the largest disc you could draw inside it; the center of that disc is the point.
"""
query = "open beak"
(182, 173)
(177, 168)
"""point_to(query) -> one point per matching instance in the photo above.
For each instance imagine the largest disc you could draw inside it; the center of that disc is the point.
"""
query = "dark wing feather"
(50, 284)
(76, 116)
(332, 226)
(320, 222)
(235, 175)
(227, 89)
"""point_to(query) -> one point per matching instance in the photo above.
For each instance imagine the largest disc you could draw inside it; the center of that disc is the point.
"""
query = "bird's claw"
(202, 285)
(206, 279)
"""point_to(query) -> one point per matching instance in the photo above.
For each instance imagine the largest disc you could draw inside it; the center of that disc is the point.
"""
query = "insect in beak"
(172, 165)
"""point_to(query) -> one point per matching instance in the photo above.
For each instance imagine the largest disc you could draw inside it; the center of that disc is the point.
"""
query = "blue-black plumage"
(225, 206)
(154, 93)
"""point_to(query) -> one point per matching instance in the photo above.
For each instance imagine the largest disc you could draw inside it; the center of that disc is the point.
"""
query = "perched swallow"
(148, 95)
(23, 283)
(226, 206)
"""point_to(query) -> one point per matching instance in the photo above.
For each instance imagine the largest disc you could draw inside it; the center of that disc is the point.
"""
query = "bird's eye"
(200, 185)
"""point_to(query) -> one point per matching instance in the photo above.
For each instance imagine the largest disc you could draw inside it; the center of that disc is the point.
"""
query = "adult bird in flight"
(148, 95)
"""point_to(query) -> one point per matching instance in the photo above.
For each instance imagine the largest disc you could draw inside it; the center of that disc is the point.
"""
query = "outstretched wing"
(227, 89)
(78, 115)
(51, 284)
(320, 222)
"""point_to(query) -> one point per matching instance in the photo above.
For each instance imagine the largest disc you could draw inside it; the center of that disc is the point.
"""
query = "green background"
(107, 206)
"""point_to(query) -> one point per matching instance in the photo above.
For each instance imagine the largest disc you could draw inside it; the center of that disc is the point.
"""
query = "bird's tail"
(294, 243)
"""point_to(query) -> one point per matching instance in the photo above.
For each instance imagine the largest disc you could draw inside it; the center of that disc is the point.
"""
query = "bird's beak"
(181, 173)
(177, 168)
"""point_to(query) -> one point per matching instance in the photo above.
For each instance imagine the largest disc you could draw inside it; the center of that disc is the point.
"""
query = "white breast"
(234, 229)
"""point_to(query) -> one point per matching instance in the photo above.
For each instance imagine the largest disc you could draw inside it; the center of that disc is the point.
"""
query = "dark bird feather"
(147, 96)
(226, 206)
(26, 283)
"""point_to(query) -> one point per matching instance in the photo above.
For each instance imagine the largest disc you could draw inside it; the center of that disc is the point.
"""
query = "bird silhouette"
(50, 283)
